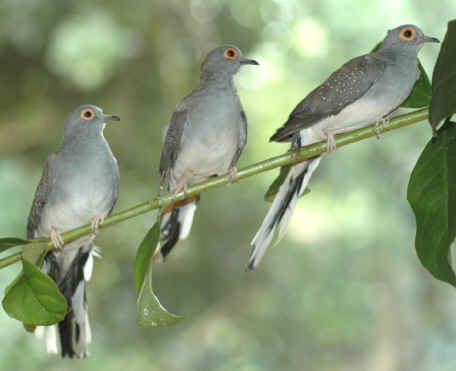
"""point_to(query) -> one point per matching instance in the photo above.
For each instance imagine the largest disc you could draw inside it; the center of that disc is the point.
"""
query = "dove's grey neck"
(398, 55)
(216, 79)
(83, 137)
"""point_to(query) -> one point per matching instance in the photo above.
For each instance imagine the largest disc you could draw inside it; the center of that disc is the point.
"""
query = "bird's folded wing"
(173, 141)
(41, 195)
(242, 139)
(344, 87)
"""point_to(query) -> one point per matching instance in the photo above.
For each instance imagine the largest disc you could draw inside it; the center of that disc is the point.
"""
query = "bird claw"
(180, 189)
(380, 126)
(96, 222)
(332, 146)
(57, 240)
(233, 174)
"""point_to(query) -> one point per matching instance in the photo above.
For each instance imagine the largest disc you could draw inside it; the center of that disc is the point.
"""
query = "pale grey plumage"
(366, 89)
(206, 136)
(79, 184)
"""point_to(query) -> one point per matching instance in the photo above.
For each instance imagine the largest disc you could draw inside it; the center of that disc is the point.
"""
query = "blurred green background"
(344, 290)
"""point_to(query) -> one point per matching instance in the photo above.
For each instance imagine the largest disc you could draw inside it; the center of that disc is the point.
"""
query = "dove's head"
(224, 61)
(406, 39)
(87, 119)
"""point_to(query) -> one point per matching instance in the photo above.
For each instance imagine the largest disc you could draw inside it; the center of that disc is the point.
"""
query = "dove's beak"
(111, 118)
(249, 61)
(428, 39)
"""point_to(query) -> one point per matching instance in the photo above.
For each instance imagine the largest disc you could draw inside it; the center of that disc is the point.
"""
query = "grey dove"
(366, 89)
(206, 135)
(79, 185)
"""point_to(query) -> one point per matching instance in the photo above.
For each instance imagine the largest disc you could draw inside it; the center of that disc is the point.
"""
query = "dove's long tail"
(281, 209)
(70, 269)
(175, 225)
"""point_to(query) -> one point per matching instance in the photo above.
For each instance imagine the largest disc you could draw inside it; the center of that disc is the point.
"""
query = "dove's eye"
(87, 114)
(408, 34)
(231, 53)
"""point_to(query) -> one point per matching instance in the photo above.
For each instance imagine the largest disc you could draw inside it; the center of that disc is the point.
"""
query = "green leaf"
(9, 242)
(432, 196)
(422, 91)
(35, 253)
(149, 311)
(34, 298)
(144, 254)
(443, 104)
(274, 187)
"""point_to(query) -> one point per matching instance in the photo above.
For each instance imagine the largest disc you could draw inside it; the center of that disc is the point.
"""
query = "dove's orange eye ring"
(87, 114)
(231, 53)
(408, 34)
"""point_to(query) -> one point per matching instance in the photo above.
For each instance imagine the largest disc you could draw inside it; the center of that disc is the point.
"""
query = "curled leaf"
(149, 311)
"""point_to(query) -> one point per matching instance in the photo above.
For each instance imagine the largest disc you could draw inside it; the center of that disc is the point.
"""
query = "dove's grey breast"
(85, 185)
(212, 134)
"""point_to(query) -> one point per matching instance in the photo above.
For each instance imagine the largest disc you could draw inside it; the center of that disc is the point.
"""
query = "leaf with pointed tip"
(274, 187)
(443, 104)
(149, 311)
(432, 196)
(34, 298)
(9, 242)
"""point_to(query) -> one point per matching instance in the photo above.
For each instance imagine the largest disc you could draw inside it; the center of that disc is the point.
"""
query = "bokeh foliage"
(344, 290)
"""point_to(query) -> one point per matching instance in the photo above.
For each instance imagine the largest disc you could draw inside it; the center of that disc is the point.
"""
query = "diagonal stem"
(292, 157)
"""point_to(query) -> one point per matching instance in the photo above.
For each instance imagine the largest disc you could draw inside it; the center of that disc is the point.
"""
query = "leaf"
(144, 254)
(35, 252)
(33, 298)
(422, 91)
(274, 187)
(443, 104)
(9, 242)
(149, 311)
(432, 196)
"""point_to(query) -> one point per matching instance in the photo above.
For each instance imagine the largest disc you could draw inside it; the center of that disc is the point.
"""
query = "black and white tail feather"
(282, 207)
(71, 270)
(175, 226)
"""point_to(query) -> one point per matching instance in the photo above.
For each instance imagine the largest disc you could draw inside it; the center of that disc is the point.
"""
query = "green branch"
(288, 158)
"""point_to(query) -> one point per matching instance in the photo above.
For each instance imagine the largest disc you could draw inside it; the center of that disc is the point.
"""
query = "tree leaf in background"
(432, 196)
(149, 311)
(34, 298)
(274, 187)
(422, 91)
(9, 242)
(443, 104)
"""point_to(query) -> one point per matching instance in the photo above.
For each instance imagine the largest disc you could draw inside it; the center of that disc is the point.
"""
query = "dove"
(206, 136)
(79, 185)
(366, 89)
